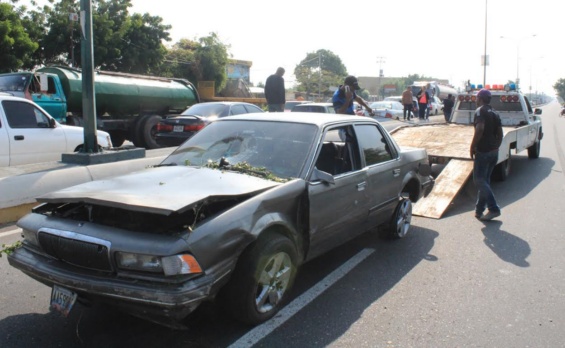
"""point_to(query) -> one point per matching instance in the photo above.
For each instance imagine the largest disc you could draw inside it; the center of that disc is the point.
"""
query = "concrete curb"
(19, 192)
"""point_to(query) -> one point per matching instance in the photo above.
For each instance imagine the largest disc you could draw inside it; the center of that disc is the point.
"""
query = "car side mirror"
(537, 111)
(324, 177)
(52, 123)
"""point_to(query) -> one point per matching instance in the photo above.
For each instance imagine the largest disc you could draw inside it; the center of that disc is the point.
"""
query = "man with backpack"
(484, 152)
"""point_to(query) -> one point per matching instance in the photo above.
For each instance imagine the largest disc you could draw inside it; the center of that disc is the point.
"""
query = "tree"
(16, 47)
(203, 59)
(559, 88)
(122, 42)
(318, 72)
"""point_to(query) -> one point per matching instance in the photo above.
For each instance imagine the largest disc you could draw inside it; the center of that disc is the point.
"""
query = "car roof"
(223, 103)
(316, 104)
(318, 119)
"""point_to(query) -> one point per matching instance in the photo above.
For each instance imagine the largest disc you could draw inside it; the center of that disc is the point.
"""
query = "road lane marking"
(261, 331)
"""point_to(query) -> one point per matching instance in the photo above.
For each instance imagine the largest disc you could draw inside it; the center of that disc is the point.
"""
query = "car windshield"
(14, 82)
(280, 148)
(495, 102)
(204, 110)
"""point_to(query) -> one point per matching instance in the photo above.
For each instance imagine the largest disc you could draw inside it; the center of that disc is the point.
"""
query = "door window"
(374, 144)
(24, 115)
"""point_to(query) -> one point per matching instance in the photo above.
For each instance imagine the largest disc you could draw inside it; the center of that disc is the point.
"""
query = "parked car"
(326, 108)
(28, 134)
(174, 130)
(435, 105)
(387, 109)
(292, 103)
(230, 216)
(398, 98)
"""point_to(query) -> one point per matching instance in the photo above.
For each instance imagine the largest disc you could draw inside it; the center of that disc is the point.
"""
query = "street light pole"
(518, 42)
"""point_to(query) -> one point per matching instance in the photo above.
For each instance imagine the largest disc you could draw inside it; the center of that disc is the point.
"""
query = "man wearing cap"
(345, 95)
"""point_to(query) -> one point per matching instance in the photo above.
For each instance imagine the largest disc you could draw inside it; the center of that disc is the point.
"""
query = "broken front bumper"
(141, 298)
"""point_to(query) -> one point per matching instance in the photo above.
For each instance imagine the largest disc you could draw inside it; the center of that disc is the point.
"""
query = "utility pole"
(87, 60)
(380, 61)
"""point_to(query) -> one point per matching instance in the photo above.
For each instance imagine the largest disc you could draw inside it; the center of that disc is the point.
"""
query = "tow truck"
(448, 143)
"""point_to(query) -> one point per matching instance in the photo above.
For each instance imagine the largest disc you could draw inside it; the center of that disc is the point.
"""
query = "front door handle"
(361, 186)
(396, 172)
(18, 137)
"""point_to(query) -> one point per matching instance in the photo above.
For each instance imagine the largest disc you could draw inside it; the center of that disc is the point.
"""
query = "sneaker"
(490, 215)
(478, 216)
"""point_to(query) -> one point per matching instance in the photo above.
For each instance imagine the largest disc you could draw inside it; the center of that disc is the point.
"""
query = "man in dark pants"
(275, 92)
(407, 101)
(448, 107)
(484, 151)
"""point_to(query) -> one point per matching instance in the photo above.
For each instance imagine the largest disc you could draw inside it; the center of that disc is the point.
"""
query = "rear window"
(495, 103)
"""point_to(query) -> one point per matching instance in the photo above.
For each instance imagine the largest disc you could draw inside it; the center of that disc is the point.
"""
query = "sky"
(444, 39)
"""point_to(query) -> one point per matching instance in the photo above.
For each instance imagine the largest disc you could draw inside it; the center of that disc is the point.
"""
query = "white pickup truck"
(448, 143)
(29, 135)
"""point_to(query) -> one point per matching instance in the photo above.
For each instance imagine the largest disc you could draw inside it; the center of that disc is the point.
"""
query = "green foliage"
(318, 72)
(16, 47)
(10, 248)
(559, 88)
(204, 59)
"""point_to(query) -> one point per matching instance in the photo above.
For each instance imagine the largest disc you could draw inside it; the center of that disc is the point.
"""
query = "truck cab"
(44, 89)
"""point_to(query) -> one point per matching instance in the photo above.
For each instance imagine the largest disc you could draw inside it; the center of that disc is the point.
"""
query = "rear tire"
(533, 151)
(262, 280)
(146, 130)
(502, 170)
(401, 219)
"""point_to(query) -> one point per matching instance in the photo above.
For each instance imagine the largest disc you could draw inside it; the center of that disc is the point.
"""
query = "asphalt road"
(452, 282)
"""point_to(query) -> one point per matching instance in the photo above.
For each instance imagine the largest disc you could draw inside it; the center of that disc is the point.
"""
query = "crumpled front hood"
(161, 190)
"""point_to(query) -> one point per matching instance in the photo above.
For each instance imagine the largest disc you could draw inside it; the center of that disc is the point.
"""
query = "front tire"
(262, 279)
(401, 219)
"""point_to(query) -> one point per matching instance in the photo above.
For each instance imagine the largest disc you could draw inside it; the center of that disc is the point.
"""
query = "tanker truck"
(128, 106)
(441, 90)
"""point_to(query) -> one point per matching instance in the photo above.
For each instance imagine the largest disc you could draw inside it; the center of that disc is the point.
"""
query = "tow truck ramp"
(448, 183)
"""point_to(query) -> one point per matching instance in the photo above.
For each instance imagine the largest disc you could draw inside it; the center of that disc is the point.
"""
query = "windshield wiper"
(165, 165)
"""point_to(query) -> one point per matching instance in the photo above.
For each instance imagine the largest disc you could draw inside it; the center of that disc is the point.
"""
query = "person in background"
(431, 93)
(448, 104)
(423, 101)
(407, 102)
(484, 152)
(275, 92)
(345, 95)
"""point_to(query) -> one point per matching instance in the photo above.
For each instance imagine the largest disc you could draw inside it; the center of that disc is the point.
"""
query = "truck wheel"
(262, 280)
(134, 131)
(118, 137)
(502, 170)
(147, 130)
(533, 151)
(401, 219)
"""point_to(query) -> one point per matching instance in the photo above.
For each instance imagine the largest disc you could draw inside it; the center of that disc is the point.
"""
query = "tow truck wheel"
(502, 170)
(533, 151)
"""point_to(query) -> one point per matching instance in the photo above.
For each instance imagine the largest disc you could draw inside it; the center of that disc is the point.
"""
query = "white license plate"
(178, 128)
(62, 300)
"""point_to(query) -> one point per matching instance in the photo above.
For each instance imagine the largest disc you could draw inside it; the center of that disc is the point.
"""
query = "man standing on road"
(345, 95)
(275, 92)
(407, 101)
(484, 151)
(448, 107)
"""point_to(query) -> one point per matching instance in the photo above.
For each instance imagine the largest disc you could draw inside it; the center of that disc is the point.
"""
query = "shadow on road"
(505, 245)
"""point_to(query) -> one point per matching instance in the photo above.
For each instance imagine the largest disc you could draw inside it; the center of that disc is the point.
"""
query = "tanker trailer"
(128, 106)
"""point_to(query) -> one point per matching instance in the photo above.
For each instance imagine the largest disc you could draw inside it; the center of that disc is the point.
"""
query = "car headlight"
(168, 265)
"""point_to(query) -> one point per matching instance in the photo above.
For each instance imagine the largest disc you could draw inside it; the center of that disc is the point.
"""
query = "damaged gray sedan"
(230, 215)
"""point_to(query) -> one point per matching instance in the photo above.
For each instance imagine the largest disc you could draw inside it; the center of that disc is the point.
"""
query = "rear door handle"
(361, 186)
(396, 172)
(18, 137)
